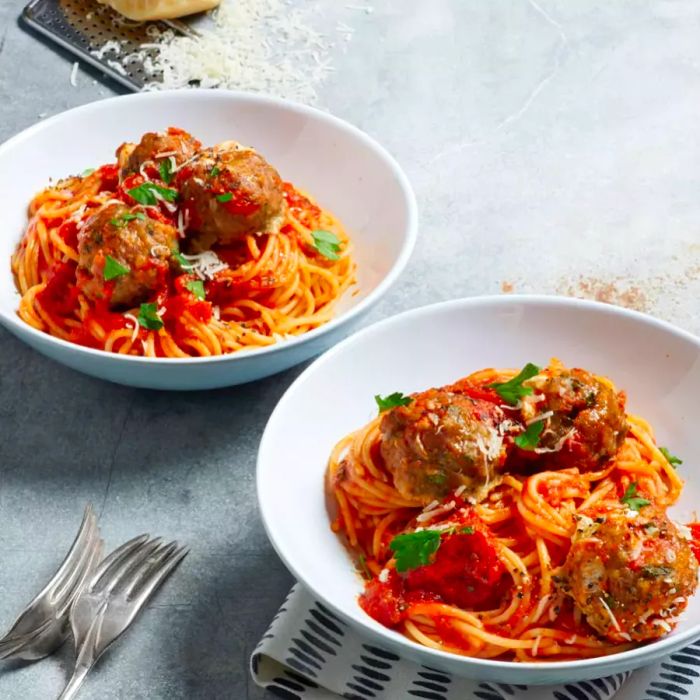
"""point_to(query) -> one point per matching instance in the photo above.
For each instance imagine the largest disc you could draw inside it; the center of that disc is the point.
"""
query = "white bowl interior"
(657, 366)
(342, 168)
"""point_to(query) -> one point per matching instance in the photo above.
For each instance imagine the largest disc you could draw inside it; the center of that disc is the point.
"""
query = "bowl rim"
(633, 657)
(12, 320)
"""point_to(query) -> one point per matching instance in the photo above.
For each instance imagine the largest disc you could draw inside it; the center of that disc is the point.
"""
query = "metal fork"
(43, 625)
(120, 587)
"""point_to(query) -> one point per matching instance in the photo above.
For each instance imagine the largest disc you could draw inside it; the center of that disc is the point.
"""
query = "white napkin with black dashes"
(307, 652)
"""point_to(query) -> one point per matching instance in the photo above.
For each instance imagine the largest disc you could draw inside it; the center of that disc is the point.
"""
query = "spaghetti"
(244, 291)
(483, 572)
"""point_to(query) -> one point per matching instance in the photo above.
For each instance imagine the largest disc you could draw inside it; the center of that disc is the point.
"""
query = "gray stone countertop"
(553, 146)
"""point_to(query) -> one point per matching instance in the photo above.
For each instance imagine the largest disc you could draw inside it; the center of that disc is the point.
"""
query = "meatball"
(230, 191)
(587, 425)
(629, 573)
(441, 441)
(139, 248)
(155, 147)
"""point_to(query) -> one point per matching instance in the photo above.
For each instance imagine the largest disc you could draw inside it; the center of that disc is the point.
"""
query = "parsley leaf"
(438, 478)
(166, 170)
(120, 221)
(148, 317)
(149, 193)
(414, 549)
(513, 390)
(631, 500)
(197, 288)
(656, 571)
(87, 171)
(113, 268)
(326, 243)
(467, 530)
(182, 261)
(529, 439)
(671, 459)
(214, 171)
(384, 403)
(225, 197)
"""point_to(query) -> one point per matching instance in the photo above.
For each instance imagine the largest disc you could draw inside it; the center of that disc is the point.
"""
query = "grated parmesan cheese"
(205, 265)
(435, 512)
(384, 575)
(135, 321)
(612, 617)
(74, 74)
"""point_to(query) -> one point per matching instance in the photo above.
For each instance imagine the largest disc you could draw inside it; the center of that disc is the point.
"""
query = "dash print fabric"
(308, 653)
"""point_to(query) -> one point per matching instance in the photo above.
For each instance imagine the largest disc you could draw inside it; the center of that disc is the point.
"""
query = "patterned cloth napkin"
(307, 652)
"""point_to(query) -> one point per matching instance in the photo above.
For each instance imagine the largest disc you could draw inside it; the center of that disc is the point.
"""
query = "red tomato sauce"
(60, 296)
(695, 544)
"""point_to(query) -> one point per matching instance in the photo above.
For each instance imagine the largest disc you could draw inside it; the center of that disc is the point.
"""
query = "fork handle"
(76, 680)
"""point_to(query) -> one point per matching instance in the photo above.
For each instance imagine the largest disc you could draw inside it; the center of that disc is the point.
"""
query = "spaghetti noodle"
(244, 291)
(494, 572)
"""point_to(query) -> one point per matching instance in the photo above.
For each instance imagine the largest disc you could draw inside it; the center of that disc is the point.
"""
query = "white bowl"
(344, 169)
(657, 364)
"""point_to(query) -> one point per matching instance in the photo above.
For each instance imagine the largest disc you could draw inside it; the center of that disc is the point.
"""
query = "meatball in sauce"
(630, 573)
(153, 148)
(230, 191)
(441, 441)
(136, 248)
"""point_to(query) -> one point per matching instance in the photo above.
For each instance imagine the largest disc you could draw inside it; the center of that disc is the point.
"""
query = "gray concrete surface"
(554, 147)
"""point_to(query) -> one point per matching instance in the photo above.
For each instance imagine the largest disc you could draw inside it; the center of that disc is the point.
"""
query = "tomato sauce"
(60, 296)
(695, 544)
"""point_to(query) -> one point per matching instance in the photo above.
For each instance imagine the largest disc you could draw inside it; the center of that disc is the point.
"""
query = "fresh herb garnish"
(363, 568)
(513, 390)
(225, 197)
(671, 459)
(414, 549)
(197, 288)
(326, 243)
(87, 171)
(631, 500)
(121, 221)
(438, 478)
(166, 170)
(530, 438)
(656, 571)
(149, 193)
(214, 171)
(467, 530)
(384, 403)
(148, 317)
(182, 261)
(113, 268)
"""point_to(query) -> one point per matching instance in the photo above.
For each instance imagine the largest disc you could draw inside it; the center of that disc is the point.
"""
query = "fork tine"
(121, 570)
(96, 553)
(83, 566)
(156, 577)
(154, 562)
(88, 527)
(116, 556)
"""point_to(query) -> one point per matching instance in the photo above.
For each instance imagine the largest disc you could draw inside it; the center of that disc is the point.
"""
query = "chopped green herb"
(225, 197)
(437, 478)
(166, 170)
(468, 530)
(197, 288)
(120, 221)
(363, 568)
(631, 500)
(384, 403)
(326, 243)
(414, 549)
(182, 261)
(113, 268)
(671, 459)
(148, 317)
(214, 171)
(513, 390)
(149, 193)
(656, 571)
(610, 601)
(87, 171)
(530, 438)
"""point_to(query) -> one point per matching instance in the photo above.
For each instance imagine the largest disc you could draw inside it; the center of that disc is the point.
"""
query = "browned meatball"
(587, 425)
(230, 191)
(155, 147)
(139, 250)
(630, 574)
(441, 441)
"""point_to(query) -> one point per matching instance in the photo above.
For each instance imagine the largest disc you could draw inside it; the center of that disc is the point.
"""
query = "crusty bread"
(143, 10)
